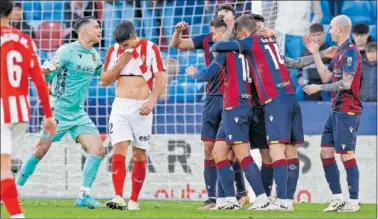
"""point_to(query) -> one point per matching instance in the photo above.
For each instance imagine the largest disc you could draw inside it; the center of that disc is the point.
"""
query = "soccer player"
(236, 119)
(18, 62)
(135, 64)
(71, 71)
(340, 131)
(258, 135)
(283, 119)
(211, 116)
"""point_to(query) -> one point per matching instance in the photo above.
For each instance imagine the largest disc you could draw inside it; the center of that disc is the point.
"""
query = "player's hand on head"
(125, 58)
(330, 52)
(312, 89)
(147, 107)
(191, 70)
(181, 26)
(229, 20)
(49, 126)
(265, 32)
(310, 44)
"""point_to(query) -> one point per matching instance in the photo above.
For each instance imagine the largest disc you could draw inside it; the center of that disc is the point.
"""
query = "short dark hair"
(17, 5)
(124, 30)
(360, 28)
(258, 18)
(226, 7)
(82, 21)
(316, 28)
(218, 22)
(6, 7)
(246, 21)
(371, 47)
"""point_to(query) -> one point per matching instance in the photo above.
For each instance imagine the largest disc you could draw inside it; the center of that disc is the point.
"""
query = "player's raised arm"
(180, 43)
(323, 71)
(208, 73)
(309, 60)
(233, 45)
(57, 63)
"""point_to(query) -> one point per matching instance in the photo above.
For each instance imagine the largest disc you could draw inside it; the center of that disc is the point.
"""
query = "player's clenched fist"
(191, 70)
(50, 65)
(181, 26)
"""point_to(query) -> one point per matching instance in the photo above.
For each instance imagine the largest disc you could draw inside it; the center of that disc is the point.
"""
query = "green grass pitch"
(177, 209)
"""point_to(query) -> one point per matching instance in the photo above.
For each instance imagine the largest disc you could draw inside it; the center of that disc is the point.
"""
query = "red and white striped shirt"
(18, 62)
(147, 60)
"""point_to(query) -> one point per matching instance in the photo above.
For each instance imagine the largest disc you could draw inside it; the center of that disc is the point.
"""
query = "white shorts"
(126, 123)
(12, 135)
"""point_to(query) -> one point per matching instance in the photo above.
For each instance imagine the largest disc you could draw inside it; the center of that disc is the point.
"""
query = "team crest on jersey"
(94, 58)
(80, 55)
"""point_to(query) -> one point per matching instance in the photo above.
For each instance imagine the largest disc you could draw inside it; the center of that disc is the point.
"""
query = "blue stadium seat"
(374, 10)
(373, 32)
(49, 11)
(358, 11)
(184, 89)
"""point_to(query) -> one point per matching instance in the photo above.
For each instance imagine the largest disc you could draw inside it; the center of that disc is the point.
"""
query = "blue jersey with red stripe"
(347, 60)
(238, 80)
(269, 73)
(215, 84)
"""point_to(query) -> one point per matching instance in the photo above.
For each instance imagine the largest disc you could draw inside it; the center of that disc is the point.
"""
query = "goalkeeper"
(71, 71)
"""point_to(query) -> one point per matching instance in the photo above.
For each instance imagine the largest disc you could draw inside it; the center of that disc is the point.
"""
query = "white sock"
(231, 199)
(290, 202)
(84, 191)
(18, 216)
(337, 196)
(220, 201)
(354, 201)
(261, 197)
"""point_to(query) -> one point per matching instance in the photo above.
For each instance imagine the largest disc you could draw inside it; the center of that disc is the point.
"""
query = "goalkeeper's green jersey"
(70, 81)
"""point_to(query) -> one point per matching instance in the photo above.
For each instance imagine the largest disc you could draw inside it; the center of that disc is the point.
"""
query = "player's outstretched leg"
(332, 175)
(266, 171)
(118, 175)
(9, 194)
(253, 176)
(30, 163)
(93, 144)
(293, 174)
(138, 175)
(353, 175)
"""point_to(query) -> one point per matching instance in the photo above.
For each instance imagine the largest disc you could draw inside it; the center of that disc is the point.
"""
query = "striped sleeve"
(157, 61)
(107, 65)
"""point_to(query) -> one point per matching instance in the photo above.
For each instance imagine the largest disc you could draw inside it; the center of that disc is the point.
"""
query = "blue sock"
(239, 178)
(332, 174)
(220, 189)
(27, 169)
(210, 175)
(293, 175)
(267, 178)
(253, 175)
(226, 175)
(280, 176)
(90, 170)
(352, 177)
